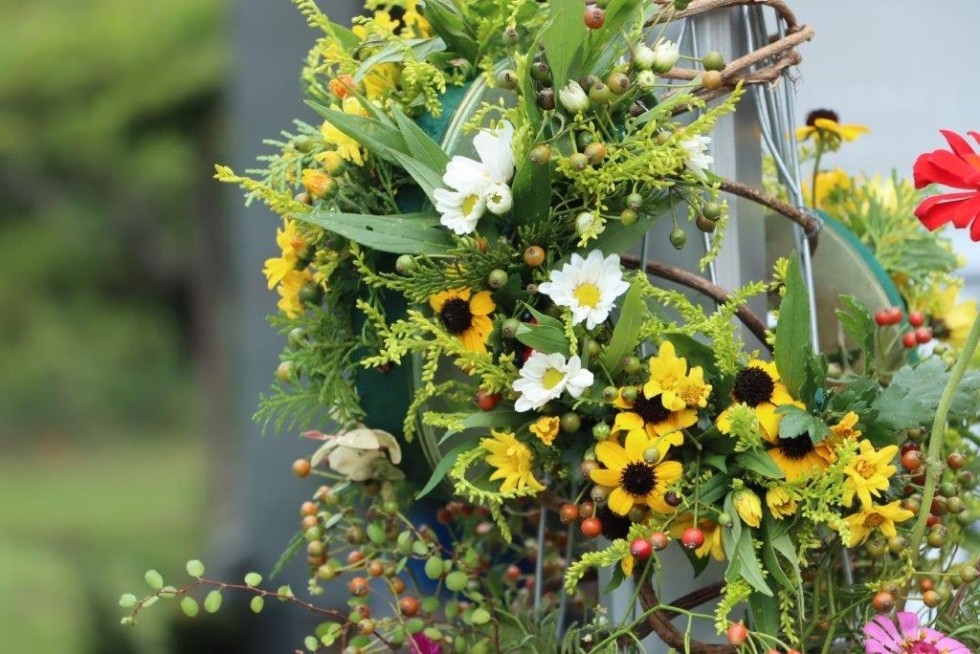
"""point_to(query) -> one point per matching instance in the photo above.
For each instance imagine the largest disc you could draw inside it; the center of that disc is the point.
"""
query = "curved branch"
(659, 621)
(811, 224)
(703, 286)
(686, 603)
(702, 6)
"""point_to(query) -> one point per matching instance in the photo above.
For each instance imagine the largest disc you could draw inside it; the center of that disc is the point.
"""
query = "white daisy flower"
(697, 158)
(474, 186)
(545, 377)
(589, 287)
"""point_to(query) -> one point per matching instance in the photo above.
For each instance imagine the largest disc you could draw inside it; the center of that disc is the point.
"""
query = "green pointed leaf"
(626, 333)
(615, 45)
(794, 348)
(856, 321)
(543, 338)
(496, 418)
(445, 463)
(415, 233)
(759, 462)
(379, 138)
(765, 613)
(395, 53)
(420, 146)
(447, 23)
(427, 179)
(564, 40)
(532, 191)
(543, 319)
(195, 568)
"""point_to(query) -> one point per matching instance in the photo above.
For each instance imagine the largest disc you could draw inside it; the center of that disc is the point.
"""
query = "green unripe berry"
(510, 36)
(704, 224)
(936, 537)
(571, 422)
(434, 567)
(628, 217)
(540, 154)
(876, 547)
(711, 210)
(630, 393)
(634, 201)
(600, 93)
(406, 264)
(724, 519)
(955, 505)
(507, 79)
(541, 72)
(681, 5)
(600, 431)
(968, 573)
(897, 544)
(592, 347)
(632, 365)
(678, 238)
(578, 161)
(456, 581)
(596, 152)
(497, 278)
(546, 99)
(713, 61)
(651, 455)
(303, 143)
(948, 489)
(510, 327)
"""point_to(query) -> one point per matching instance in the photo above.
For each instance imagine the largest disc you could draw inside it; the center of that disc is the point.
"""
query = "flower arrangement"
(488, 287)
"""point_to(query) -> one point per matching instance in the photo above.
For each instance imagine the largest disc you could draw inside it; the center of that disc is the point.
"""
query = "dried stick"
(659, 622)
(686, 603)
(703, 286)
(810, 224)
(702, 6)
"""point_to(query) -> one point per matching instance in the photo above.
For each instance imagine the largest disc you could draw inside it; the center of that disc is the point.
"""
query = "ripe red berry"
(591, 527)
(595, 17)
(933, 520)
(909, 340)
(301, 468)
(486, 401)
(955, 460)
(358, 587)
(916, 318)
(881, 317)
(911, 459)
(309, 508)
(659, 540)
(883, 602)
(568, 513)
(692, 538)
(910, 446)
(513, 573)
(737, 634)
(641, 549)
(894, 315)
(923, 335)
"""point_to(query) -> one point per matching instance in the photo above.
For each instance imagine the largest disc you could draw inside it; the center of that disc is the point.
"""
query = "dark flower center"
(652, 410)
(811, 118)
(753, 386)
(614, 526)
(638, 479)
(796, 448)
(456, 315)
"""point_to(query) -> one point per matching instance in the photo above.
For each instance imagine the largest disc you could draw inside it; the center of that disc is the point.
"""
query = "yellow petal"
(620, 502)
(482, 304)
(603, 477)
(636, 444)
(611, 455)
(669, 471)
(627, 421)
(768, 421)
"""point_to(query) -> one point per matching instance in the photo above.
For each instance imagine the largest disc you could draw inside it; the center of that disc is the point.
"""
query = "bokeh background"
(132, 338)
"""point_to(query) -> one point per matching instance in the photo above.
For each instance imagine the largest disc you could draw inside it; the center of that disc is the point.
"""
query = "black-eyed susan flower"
(636, 472)
(650, 416)
(868, 473)
(781, 502)
(465, 315)
(796, 456)
(512, 460)
(824, 125)
(881, 517)
(546, 428)
(712, 535)
(758, 386)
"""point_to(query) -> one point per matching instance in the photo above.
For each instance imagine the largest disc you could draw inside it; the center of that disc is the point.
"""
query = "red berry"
(881, 317)
(568, 513)
(409, 606)
(659, 540)
(916, 319)
(486, 401)
(358, 587)
(595, 17)
(591, 527)
(909, 340)
(911, 459)
(692, 538)
(641, 549)
(910, 446)
(923, 335)
(894, 315)
(955, 460)
(883, 602)
(933, 520)
(513, 573)
(737, 634)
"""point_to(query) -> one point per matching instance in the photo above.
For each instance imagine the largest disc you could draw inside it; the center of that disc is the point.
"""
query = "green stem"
(936, 438)
(816, 174)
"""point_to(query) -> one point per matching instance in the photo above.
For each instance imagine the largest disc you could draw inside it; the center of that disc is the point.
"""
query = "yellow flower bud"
(749, 507)
(780, 502)
(546, 429)
(318, 183)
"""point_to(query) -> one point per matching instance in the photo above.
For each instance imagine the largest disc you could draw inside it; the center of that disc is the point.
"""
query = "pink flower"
(908, 638)
(422, 644)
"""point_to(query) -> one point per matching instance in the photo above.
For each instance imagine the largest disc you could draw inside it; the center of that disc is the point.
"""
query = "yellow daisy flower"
(781, 504)
(381, 79)
(293, 247)
(824, 126)
(649, 415)
(832, 187)
(759, 387)
(692, 389)
(546, 429)
(466, 316)
(712, 535)
(951, 322)
(868, 473)
(666, 371)
(416, 21)
(883, 517)
(289, 287)
(839, 434)
(512, 460)
(633, 479)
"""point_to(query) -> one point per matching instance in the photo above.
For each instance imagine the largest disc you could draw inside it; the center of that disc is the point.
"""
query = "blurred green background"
(109, 113)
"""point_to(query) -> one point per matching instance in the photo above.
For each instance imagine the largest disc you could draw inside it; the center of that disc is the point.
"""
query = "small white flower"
(545, 377)
(471, 183)
(697, 158)
(359, 454)
(643, 57)
(665, 55)
(589, 287)
(499, 199)
(573, 97)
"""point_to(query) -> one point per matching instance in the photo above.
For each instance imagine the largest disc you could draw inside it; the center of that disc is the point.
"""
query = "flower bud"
(319, 184)
(584, 223)
(500, 200)
(573, 97)
(749, 507)
(665, 56)
(643, 57)
(646, 80)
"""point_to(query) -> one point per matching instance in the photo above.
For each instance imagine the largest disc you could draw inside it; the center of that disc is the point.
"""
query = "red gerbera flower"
(959, 168)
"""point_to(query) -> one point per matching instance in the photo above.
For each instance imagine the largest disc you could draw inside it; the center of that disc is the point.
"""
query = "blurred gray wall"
(906, 69)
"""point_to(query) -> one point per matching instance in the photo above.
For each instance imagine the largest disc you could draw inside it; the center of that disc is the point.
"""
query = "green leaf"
(765, 613)
(618, 13)
(257, 604)
(543, 318)
(427, 179)
(543, 338)
(395, 53)
(564, 40)
(128, 601)
(447, 23)
(495, 418)
(743, 562)
(759, 462)
(253, 579)
(189, 606)
(445, 463)
(857, 323)
(212, 602)
(626, 333)
(311, 643)
(716, 461)
(420, 146)
(195, 568)
(793, 345)
(153, 579)
(532, 191)
(376, 533)
(913, 396)
(379, 138)
(480, 616)
(415, 233)
(714, 489)
(797, 422)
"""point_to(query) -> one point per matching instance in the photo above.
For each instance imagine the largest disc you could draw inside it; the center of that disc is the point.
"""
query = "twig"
(703, 286)
(702, 6)
(811, 225)
(659, 621)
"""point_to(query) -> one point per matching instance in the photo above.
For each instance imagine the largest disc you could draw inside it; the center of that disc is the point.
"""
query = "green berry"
(600, 93)
(678, 238)
(578, 161)
(704, 224)
(713, 61)
(634, 201)
(541, 72)
(628, 217)
(600, 431)
(497, 278)
(507, 79)
(303, 143)
(618, 83)
(711, 210)
(632, 365)
(571, 422)
(406, 264)
(540, 154)
(596, 152)
(583, 139)
(510, 327)
(630, 393)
